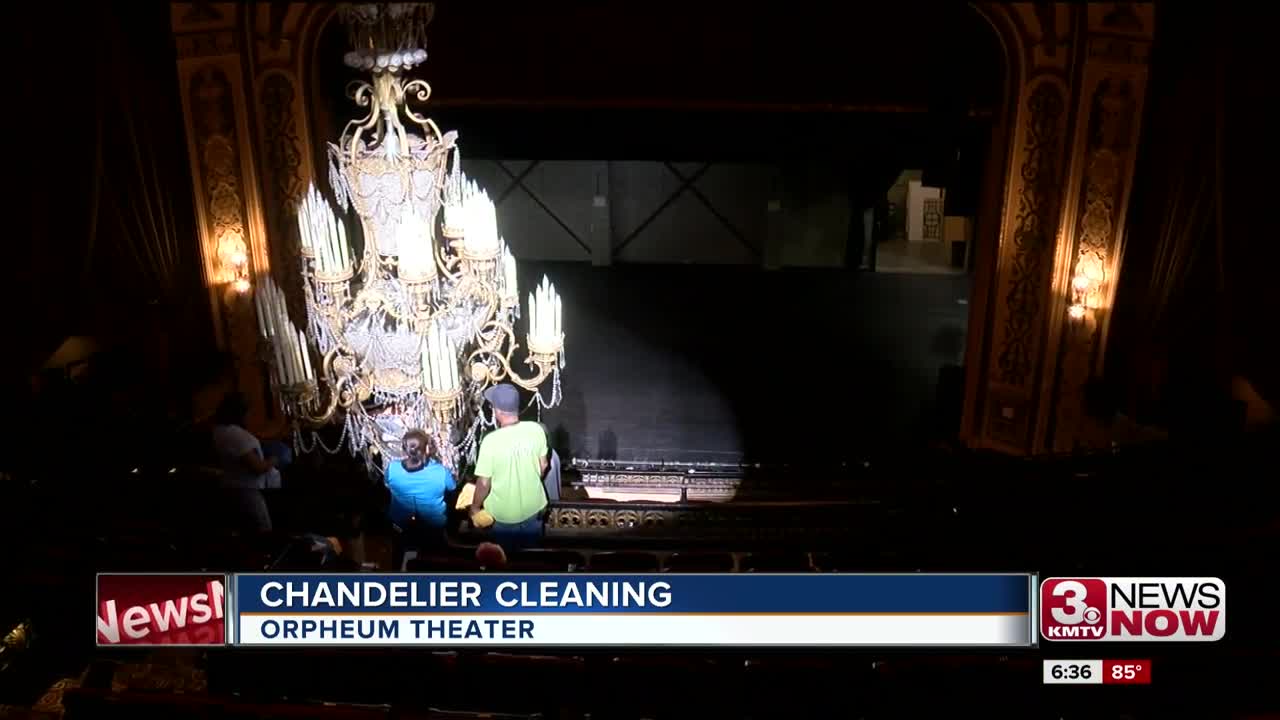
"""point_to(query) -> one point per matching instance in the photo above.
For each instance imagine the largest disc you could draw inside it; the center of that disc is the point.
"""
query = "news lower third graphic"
(1097, 672)
(633, 610)
(1124, 609)
(161, 609)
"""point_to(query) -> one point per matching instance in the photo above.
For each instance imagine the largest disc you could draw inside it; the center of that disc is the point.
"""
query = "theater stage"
(737, 364)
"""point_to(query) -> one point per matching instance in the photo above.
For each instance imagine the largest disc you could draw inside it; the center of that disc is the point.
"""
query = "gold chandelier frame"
(359, 302)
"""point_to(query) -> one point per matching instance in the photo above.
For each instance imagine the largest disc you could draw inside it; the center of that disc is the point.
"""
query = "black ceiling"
(844, 53)
(705, 80)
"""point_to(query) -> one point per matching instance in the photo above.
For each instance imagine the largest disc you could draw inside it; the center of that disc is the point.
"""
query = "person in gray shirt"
(551, 478)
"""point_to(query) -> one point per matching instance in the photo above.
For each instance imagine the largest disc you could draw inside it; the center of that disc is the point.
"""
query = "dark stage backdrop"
(707, 363)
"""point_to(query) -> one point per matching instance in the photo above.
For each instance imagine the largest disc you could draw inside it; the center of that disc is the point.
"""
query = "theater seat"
(367, 675)
(699, 563)
(623, 561)
(818, 679)
(523, 661)
(441, 563)
(856, 561)
(776, 563)
(645, 685)
(87, 703)
(434, 714)
(305, 712)
(547, 561)
(515, 683)
(82, 703)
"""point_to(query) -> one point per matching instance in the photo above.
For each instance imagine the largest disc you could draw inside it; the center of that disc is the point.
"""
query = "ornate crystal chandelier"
(411, 330)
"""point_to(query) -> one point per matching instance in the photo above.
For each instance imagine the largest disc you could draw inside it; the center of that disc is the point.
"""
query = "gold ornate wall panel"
(1024, 262)
(1070, 136)
(1112, 87)
(228, 209)
(274, 33)
(1006, 361)
(274, 50)
(286, 169)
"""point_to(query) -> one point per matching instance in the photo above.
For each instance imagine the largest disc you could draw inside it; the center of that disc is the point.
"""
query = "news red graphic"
(161, 609)
(1188, 609)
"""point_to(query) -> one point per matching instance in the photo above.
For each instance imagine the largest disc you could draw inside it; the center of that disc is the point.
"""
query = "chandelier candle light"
(481, 239)
(440, 364)
(509, 296)
(417, 254)
(413, 312)
(545, 336)
(292, 360)
(323, 238)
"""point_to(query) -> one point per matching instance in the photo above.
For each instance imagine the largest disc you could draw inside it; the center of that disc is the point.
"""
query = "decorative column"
(228, 211)
(1011, 283)
(1076, 80)
(278, 49)
(1109, 111)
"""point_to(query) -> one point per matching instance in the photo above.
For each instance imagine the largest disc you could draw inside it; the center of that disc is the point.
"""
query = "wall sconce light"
(1080, 285)
(1079, 297)
(235, 257)
(240, 262)
(1085, 285)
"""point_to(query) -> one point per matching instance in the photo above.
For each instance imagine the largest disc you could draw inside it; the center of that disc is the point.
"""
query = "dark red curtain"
(102, 241)
(1197, 302)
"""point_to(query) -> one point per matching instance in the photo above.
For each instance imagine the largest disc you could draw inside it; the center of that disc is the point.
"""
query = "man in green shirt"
(509, 472)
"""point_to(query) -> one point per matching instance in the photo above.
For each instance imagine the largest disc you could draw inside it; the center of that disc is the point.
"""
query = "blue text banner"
(633, 609)
(663, 593)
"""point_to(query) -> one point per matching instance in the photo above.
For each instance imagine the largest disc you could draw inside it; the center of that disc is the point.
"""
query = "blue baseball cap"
(504, 398)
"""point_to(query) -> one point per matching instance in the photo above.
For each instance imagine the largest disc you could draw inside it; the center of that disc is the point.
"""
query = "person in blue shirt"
(418, 485)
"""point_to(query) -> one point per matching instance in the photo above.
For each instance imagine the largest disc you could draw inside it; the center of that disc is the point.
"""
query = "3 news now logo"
(1133, 609)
